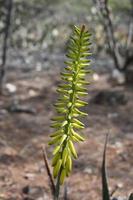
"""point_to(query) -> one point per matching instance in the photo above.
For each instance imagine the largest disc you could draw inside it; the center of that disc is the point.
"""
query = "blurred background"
(33, 43)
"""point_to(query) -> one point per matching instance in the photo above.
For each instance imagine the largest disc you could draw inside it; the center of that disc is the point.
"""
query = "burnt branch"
(8, 6)
(121, 61)
(129, 50)
(102, 6)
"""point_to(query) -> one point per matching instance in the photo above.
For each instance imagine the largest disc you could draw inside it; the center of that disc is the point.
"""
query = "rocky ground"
(25, 112)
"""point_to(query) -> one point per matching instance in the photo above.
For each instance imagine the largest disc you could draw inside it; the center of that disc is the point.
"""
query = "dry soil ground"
(23, 134)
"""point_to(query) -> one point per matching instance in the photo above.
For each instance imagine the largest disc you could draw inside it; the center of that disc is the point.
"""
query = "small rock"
(119, 144)
(29, 176)
(32, 93)
(118, 77)
(11, 88)
(88, 170)
(96, 77)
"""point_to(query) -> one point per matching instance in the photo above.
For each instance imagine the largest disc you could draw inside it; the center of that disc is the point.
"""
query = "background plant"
(120, 49)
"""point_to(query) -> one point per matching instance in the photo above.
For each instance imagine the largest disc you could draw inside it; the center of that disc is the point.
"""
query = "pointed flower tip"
(83, 28)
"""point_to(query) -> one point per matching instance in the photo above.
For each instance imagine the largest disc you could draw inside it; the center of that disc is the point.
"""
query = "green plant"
(70, 92)
(65, 123)
(105, 188)
(106, 195)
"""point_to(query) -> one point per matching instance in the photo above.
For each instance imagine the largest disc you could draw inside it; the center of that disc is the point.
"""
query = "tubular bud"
(72, 88)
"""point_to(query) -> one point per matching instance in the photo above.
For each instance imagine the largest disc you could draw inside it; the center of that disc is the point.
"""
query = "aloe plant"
(66, 123)
(71, 91)
(106, 195)
(130, 196)
(105, 187)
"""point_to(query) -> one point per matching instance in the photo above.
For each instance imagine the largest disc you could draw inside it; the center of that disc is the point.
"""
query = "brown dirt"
(22, 136)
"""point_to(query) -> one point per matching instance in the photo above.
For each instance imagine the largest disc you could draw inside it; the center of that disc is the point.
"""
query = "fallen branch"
(52, 185)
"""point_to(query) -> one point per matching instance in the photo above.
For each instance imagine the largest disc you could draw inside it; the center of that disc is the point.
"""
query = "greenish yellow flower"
(72, 89)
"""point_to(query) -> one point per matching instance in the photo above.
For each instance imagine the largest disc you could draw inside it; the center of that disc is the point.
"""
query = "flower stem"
(57, 187)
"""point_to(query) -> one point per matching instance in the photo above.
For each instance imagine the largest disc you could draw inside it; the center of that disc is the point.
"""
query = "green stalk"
(68, 107)
(57, 187)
